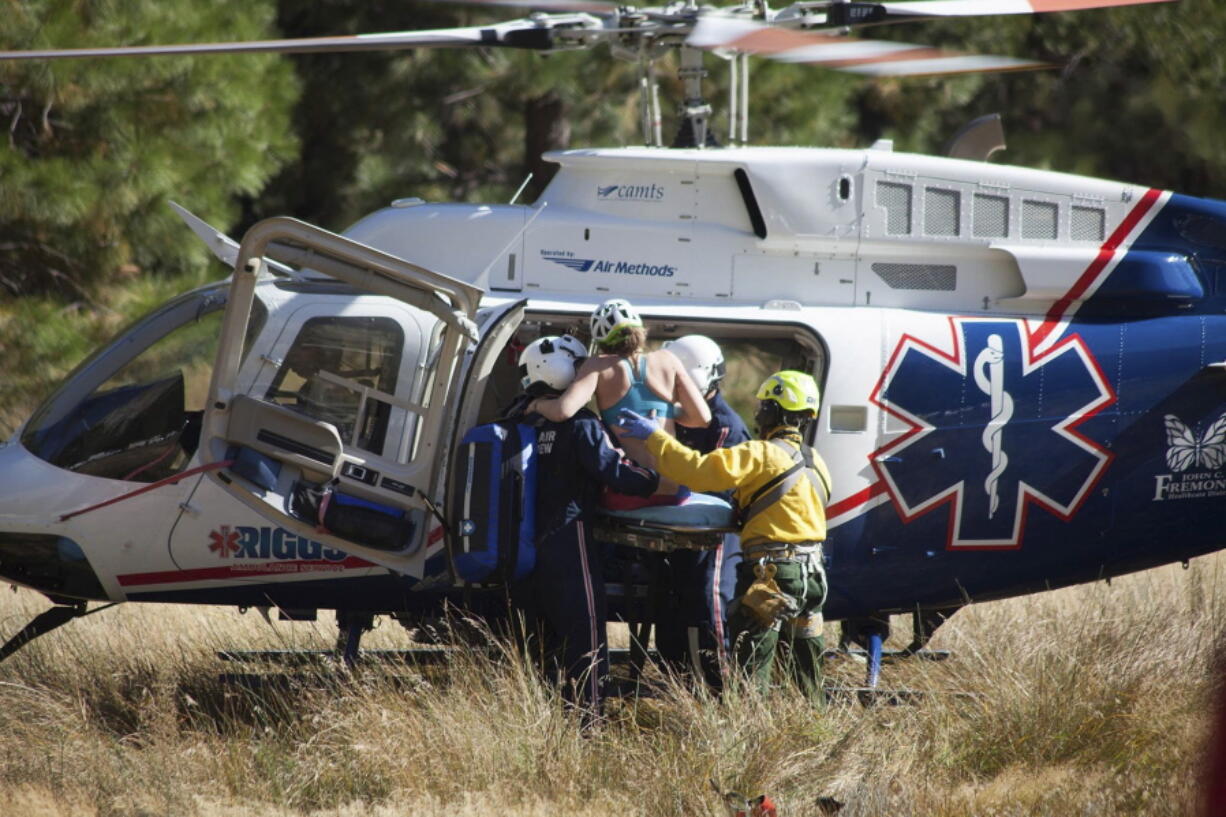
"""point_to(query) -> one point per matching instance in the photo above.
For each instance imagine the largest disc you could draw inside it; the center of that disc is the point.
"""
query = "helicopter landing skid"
(412, 656)
(45, 622)
(877, 696)
(871, 632)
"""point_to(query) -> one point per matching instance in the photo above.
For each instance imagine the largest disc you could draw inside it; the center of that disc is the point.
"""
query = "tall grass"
(1092, 700)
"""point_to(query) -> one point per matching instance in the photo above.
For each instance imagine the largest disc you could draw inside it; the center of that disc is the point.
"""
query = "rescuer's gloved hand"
(635, 425)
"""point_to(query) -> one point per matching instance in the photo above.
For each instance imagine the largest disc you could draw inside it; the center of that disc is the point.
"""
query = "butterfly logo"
(1185, 449)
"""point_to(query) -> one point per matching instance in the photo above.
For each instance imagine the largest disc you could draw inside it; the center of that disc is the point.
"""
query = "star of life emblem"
(224, 541)
(991, 428)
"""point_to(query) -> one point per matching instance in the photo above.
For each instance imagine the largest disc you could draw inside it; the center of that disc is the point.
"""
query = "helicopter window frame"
(123, 403)
(420, 391)
(1040, 219)
(896, 210)
(982, 221)
(938, 220)
(1087, 223)
(368, 429)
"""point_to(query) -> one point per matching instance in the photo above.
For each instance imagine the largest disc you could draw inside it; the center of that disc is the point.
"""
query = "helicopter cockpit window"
(343, 371)
(133, 411)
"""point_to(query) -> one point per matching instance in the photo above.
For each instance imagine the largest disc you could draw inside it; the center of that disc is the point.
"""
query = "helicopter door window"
(133, 411)
(343, 371)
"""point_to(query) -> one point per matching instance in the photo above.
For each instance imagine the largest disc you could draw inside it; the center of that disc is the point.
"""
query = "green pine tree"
(96, 147)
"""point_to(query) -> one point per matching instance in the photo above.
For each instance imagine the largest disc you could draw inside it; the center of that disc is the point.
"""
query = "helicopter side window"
(133, 411)
(343, 371)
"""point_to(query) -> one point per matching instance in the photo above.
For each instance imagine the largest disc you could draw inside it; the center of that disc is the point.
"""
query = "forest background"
(95, 149)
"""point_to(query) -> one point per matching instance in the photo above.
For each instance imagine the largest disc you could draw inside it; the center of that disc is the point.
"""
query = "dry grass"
(1085, 701)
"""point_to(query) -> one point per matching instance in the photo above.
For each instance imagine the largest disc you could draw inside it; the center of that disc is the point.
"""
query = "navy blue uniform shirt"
(725, 430)
(574, 459)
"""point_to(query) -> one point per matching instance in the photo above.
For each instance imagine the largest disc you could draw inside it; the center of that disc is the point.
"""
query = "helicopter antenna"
(521, 188)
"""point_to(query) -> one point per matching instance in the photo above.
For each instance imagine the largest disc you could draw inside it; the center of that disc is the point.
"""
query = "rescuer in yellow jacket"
(780, 486)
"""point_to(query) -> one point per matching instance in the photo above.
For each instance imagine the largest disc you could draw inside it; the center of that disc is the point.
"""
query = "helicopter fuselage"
(1022, 380)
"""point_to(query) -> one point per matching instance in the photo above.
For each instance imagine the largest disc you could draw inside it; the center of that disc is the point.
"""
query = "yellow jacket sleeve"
(721, 470)
(799, 516)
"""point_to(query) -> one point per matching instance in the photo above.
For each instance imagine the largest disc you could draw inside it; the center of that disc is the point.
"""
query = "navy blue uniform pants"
(691, 618)
(566, 591)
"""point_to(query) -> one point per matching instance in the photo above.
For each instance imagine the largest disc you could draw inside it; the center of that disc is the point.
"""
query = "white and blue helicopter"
(1022, 371)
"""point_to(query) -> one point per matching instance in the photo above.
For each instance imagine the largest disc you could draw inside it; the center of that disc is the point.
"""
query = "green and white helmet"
(795, 392)
(611, 319)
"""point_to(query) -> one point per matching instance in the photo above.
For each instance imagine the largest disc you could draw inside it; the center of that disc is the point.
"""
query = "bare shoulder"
(603, 366)
(665, 361)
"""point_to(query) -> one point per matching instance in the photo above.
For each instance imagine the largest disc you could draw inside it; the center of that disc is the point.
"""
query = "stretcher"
(700, 523)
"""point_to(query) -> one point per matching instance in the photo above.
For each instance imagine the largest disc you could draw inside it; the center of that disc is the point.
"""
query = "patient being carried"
(625, 375)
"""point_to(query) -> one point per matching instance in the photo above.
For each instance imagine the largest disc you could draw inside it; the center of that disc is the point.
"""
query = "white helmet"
(611, 319)
(701, 357)
(550, 360)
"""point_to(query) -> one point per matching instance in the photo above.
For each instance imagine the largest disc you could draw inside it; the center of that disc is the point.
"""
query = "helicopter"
(1020, 371)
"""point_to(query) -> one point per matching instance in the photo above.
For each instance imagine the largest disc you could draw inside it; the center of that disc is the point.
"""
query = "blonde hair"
(631, 340)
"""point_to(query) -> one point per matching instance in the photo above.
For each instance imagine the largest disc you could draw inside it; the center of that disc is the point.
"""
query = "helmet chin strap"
(770, 417)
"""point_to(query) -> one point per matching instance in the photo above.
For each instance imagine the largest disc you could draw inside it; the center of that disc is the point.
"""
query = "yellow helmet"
(794, 391)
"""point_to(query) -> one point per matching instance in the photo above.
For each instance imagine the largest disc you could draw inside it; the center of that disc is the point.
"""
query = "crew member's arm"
(606, 463)
(576, 396)
(720, 470)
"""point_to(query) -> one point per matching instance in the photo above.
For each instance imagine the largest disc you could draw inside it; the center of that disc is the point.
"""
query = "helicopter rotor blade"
(857, 13)
(871, 57)
(529, 34)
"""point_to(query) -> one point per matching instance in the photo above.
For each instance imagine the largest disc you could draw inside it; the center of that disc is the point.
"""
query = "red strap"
(171, 480)
(323, 511)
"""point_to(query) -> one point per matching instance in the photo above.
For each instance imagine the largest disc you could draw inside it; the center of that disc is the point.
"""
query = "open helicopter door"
(333, 500)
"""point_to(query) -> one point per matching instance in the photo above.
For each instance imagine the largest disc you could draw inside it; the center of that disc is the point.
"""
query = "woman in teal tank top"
(639, 398)
(625, 375)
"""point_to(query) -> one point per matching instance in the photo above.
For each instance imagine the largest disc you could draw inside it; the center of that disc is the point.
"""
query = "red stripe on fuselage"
(239, 571)
(1105, 254)
(855, 500)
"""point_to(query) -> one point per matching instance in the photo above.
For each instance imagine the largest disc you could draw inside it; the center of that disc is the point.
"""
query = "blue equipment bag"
(368, 523)
(493, 503)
